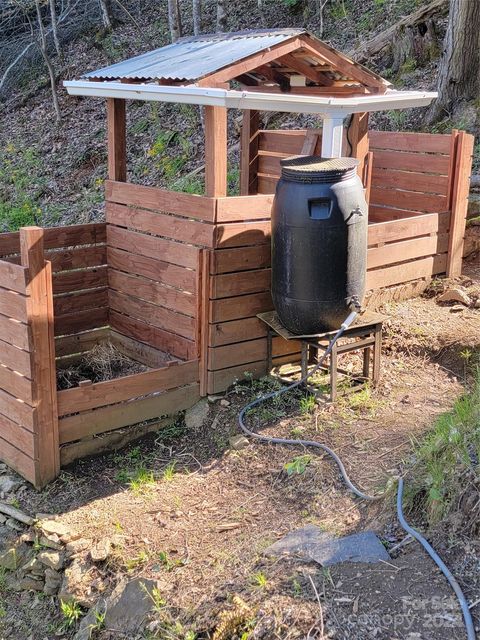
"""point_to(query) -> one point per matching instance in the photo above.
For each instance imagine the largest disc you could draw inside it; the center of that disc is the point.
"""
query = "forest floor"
(184, 508)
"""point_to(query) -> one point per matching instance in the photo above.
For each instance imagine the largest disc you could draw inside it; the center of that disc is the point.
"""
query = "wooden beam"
(215, 151)
(249, 152)
(117, 141)
(461, 185)
(357, 136)
(42, 351)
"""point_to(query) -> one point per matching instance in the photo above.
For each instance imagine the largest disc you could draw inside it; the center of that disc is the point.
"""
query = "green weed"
(307, 404)
(169, 471)
(259, 580)
(141, 480)
(298, 465)
(137, 561)
(71, 611)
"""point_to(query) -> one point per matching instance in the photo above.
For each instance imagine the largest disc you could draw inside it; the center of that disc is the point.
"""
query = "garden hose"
(360, 494)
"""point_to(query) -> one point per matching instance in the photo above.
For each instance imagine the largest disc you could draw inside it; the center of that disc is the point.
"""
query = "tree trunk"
(106, 14)
(42, 44)
(459, 70)
(53, 18)
(221, 16)
(197, 16)
(174, 20)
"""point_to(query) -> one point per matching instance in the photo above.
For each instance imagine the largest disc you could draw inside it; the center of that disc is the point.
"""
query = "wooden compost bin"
(186, 275)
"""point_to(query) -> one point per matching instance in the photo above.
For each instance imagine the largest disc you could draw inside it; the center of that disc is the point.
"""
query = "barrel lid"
(318, 169)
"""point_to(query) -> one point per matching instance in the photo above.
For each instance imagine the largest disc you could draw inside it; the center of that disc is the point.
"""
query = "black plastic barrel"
(319, 243)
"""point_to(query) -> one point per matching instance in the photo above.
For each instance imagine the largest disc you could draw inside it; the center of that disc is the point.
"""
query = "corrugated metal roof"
(193, 58)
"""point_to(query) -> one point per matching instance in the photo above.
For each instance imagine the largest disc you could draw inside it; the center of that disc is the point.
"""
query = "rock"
(51, 542)
(3, 519)
(9, 483)
(28, 583)
(34, 567)
(196, 416)
(53, 526)
(77, 546)
(224, 403)
(476, 304)
(128, 606)
(76, 584)
(455, 294)
(101, 551)
(52, 559)
(456, 308)
(90, 620)
(13, 557)
(214, 398)
(53, 581)
(238, 442)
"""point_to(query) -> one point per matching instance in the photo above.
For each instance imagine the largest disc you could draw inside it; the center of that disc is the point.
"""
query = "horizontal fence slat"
(13, 305)
(144, 353)
(233, 260)
(236, 284)
(424, 268)
(126, 388)
(182, 255)
(182, 204)
(153, 292)
(77, 258)
(380, 213)
(128, 413)
(14, 332)
(163, 340)
(153, 268)
(160, 224)
(282, 141)
(221, 333)
(15, 359)
(396, 230)
(266, 184)
(425, 202)
(218, 381)
(78, 343)
(405, 161)
(159, 317)
(17, 457)
(241, 234)
(410, 181)
(250, 351)
(401, 141)
(13, 277)
(72, 302)
(240, 307)
(240, 208)
(17, 411)
(407, 250)
(16, 385)
(70, 281)
(81, 321)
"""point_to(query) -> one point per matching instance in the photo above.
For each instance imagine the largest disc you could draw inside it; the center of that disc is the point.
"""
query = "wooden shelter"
(185, 275)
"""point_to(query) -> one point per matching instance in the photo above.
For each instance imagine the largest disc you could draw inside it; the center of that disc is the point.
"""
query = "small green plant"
(142, 480)
(298, 465)
(156, 597)
(71, 611)
(259, 580)
(15, 503)
(307, 404)
(137, 561)
(296, 588)
(169, 471)
(3, 611)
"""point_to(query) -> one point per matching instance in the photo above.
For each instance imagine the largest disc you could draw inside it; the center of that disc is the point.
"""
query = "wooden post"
(203, 293)
(117, 141)
(215, 151)
(460, 189)
(42, 355)
(249, 152)
(357, 137)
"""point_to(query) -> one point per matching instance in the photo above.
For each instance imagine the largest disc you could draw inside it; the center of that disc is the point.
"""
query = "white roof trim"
(295, 103)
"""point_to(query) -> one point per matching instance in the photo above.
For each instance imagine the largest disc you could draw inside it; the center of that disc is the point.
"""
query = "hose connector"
(348, 320)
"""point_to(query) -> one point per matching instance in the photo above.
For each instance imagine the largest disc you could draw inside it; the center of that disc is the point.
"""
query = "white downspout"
(332, 136)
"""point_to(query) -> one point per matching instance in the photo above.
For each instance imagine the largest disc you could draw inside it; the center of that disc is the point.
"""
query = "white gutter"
(295, 103)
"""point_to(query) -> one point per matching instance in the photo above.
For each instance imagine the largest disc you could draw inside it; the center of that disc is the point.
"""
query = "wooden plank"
(215, 126)
(15, 384)
(163, 272)
(182, 255)
(424, 268)
(169, 342)
(403, 161)
(72, 302)
(139, 351)
(182, 204)
(236, 284)
(410, 181)
(174, 227)
(287, 142)
(160, 317)
(18, 411)
(117, 139)
(70, 281)
(17, 436)
(240, 307)
(122, 389)
(407, 250)
(40, 319)
(17, 458)
(233, 260)
(425, 202)
(248, 152)
(221, 333)
(310, 142)
(461, 186)
(9, 243)
(77, 258)
(81, 321)
(396, 230)
(127, 413)
(357, 137)
(266, 184)
(401, 141)
(269, 165)
(235, 354)
(13, 277)
(15, 332)
(203, 272)
(378, 213)
(80, 342)
(15, 359)
(154, 292)
(13, 305)
(242, 208)
(74, 235)
(241, 234)
(219, 381)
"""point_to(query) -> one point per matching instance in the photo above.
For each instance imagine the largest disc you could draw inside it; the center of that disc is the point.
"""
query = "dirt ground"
(184, 508)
